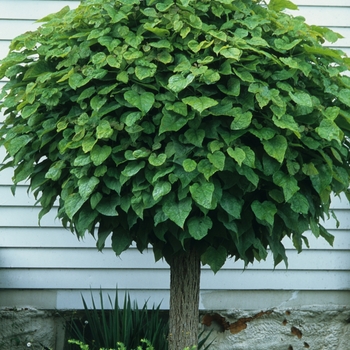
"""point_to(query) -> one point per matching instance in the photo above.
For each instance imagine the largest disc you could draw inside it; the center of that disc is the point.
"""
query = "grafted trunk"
(184, 300)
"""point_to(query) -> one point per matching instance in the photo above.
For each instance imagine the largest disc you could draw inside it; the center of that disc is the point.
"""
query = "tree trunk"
(184, 300)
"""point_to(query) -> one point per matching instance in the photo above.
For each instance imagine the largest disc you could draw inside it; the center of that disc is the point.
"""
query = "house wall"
(45, 267)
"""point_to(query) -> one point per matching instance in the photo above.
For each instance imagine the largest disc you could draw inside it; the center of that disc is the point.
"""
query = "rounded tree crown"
(218, 124)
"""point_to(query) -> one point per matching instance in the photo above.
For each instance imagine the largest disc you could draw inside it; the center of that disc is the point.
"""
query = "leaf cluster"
(217, 124)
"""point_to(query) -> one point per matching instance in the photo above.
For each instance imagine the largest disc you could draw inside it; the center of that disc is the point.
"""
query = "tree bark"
(184, 300)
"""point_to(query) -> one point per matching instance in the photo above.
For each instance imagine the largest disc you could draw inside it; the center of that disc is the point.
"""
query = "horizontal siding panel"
(58, 237)
(21, 198)
(159, 279)
(38, 258)
(32, 9)
(44, 237)
(327, 3)
(9, 29)
(26, 217)
(324, 16)
(73, 299)
(4, 47)
(6, 174)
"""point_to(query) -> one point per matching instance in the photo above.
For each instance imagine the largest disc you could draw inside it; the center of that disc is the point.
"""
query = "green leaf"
(301, 98)
(17, 143)
(288, 183)
(264, 211)
(60, 14)
(121, 240)
(178, 82)
(29, 110)
(217, 159)
(165, 57)
(171, 122)
(157, 31)
(276, 147)
(195, 46)
(299, 204)
(87, 185)
(244, 75)
(160, 189)
(55, 170)
(286, 121)
(177, 107)
(309, 169)
(104, 130)
(231, 204)
(344, 96)
(95, 199)
(97, 102)
(157, 160)
(99, 154)
(189, 165)
(242, 120)
(198, 227)
(195, 136)
(231, 53)
(326, 235)
(200, 103)
(322, 180)
(123, 77)
(284, 44)
(72, 204)
(279, 5)
(88, 144)
(214, 257)
(237, 154)
(116, 16)
(108, 205)
(141, 153)
(76, 80)
(329, 130)
(22, 172)
(177, 211)
(143, 102)
(249, 173)
(202, 194)
(132, 118)
(143, 72)
(132, 168)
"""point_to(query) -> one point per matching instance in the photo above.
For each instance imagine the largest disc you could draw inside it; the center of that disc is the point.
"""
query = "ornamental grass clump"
(208, 129)
(102, 327)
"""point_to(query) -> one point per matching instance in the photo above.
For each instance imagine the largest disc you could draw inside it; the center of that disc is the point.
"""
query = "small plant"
(121, 346)
(103, 328)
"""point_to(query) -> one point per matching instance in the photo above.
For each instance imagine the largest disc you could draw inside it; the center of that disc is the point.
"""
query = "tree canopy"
(217, 124)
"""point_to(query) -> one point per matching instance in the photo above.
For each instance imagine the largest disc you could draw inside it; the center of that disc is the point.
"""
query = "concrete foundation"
(312, 327)
(27, 328)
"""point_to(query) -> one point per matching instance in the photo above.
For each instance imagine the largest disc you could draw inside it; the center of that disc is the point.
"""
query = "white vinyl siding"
(46, 266)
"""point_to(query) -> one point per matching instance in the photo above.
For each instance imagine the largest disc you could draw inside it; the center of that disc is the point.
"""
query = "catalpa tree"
(207, 129)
